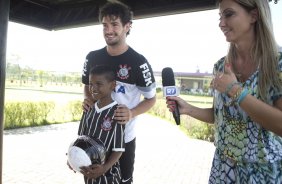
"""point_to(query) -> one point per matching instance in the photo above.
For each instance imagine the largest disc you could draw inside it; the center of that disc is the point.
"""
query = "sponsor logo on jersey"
(84, 68)
(120, 89)
(146, 74)
(107, 124)
(123, 72)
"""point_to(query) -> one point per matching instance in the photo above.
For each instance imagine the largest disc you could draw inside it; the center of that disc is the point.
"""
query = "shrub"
(14, 115)
(20, 114)
(192, 127)
(197, 129)
(158, 89)
(75, 109)
(45, 109)
(33, 114)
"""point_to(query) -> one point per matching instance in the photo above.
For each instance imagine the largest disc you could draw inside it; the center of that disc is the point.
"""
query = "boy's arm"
(94, 171)
(118, 147)
(113, 158)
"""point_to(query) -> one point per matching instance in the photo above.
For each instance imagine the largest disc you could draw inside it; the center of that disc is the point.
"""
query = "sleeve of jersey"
(86, 70)
(145, 79)
(118, 143)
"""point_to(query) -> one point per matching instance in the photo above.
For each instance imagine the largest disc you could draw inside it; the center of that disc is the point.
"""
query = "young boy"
(99, 123)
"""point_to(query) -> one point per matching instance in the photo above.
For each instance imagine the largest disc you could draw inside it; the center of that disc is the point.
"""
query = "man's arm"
(123, 114)
(144, 106)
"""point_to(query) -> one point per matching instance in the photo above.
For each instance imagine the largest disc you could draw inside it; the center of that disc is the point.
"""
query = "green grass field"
(61, 96)
(41, 95)
(64, 94)
(60, 93)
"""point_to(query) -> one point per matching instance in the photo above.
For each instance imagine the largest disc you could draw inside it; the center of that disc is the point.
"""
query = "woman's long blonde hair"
(265, 49)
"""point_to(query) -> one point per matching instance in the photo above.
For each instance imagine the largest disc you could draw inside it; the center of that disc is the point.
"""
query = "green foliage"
(14, 115)
(32, 113)
(198, 129)
(158, 90)
(45, 109)
(36, 113)
(22, 114)
(75, 110)
(192, 127)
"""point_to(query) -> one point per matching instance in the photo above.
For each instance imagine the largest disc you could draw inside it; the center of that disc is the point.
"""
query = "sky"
(185, 42)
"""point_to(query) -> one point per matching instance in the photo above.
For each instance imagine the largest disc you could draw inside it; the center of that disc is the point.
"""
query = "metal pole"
(4, 19)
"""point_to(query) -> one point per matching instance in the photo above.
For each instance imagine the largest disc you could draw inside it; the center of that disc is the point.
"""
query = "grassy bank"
(66, 106)
(192, 127)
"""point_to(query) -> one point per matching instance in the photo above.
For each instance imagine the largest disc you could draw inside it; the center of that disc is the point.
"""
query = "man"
(134, 77)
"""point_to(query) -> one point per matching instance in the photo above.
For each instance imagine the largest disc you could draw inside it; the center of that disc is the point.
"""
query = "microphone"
(169, 89)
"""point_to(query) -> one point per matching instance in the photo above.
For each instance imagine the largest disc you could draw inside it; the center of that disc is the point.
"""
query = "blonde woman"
(247, 109)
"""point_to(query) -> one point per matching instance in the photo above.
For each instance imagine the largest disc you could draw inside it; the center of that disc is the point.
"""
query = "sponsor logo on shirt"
(123, 72)
(120, 89)
(107, 124)
(84, 68)
(146, 74)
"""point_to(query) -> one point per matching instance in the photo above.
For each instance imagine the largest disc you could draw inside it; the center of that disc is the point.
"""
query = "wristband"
(242, 96)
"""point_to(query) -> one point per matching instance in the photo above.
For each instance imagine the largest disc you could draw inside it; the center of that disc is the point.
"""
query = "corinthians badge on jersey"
(123, 71)
(107, 124)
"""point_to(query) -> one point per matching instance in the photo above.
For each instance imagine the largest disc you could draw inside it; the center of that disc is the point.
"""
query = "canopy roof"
(63, 14)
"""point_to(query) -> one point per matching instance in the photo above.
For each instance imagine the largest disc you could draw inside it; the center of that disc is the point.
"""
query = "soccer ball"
(85, 151)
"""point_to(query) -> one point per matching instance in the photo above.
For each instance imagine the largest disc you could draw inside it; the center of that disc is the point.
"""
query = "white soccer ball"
(85, 151)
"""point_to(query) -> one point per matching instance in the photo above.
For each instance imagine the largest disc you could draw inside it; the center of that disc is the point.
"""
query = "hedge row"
(23, 114)
(192, 127)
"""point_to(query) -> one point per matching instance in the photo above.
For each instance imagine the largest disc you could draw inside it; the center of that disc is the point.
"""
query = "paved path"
(164, 155)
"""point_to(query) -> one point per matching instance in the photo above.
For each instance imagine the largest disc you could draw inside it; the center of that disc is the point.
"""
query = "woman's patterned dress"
(245, 152)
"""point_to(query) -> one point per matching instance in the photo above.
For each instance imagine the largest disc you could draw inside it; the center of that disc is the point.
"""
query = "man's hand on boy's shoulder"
(123, 114)
(87, 104)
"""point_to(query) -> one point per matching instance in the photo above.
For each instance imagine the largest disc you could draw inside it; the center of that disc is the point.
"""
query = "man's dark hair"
(105, 70)
(118, 10)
